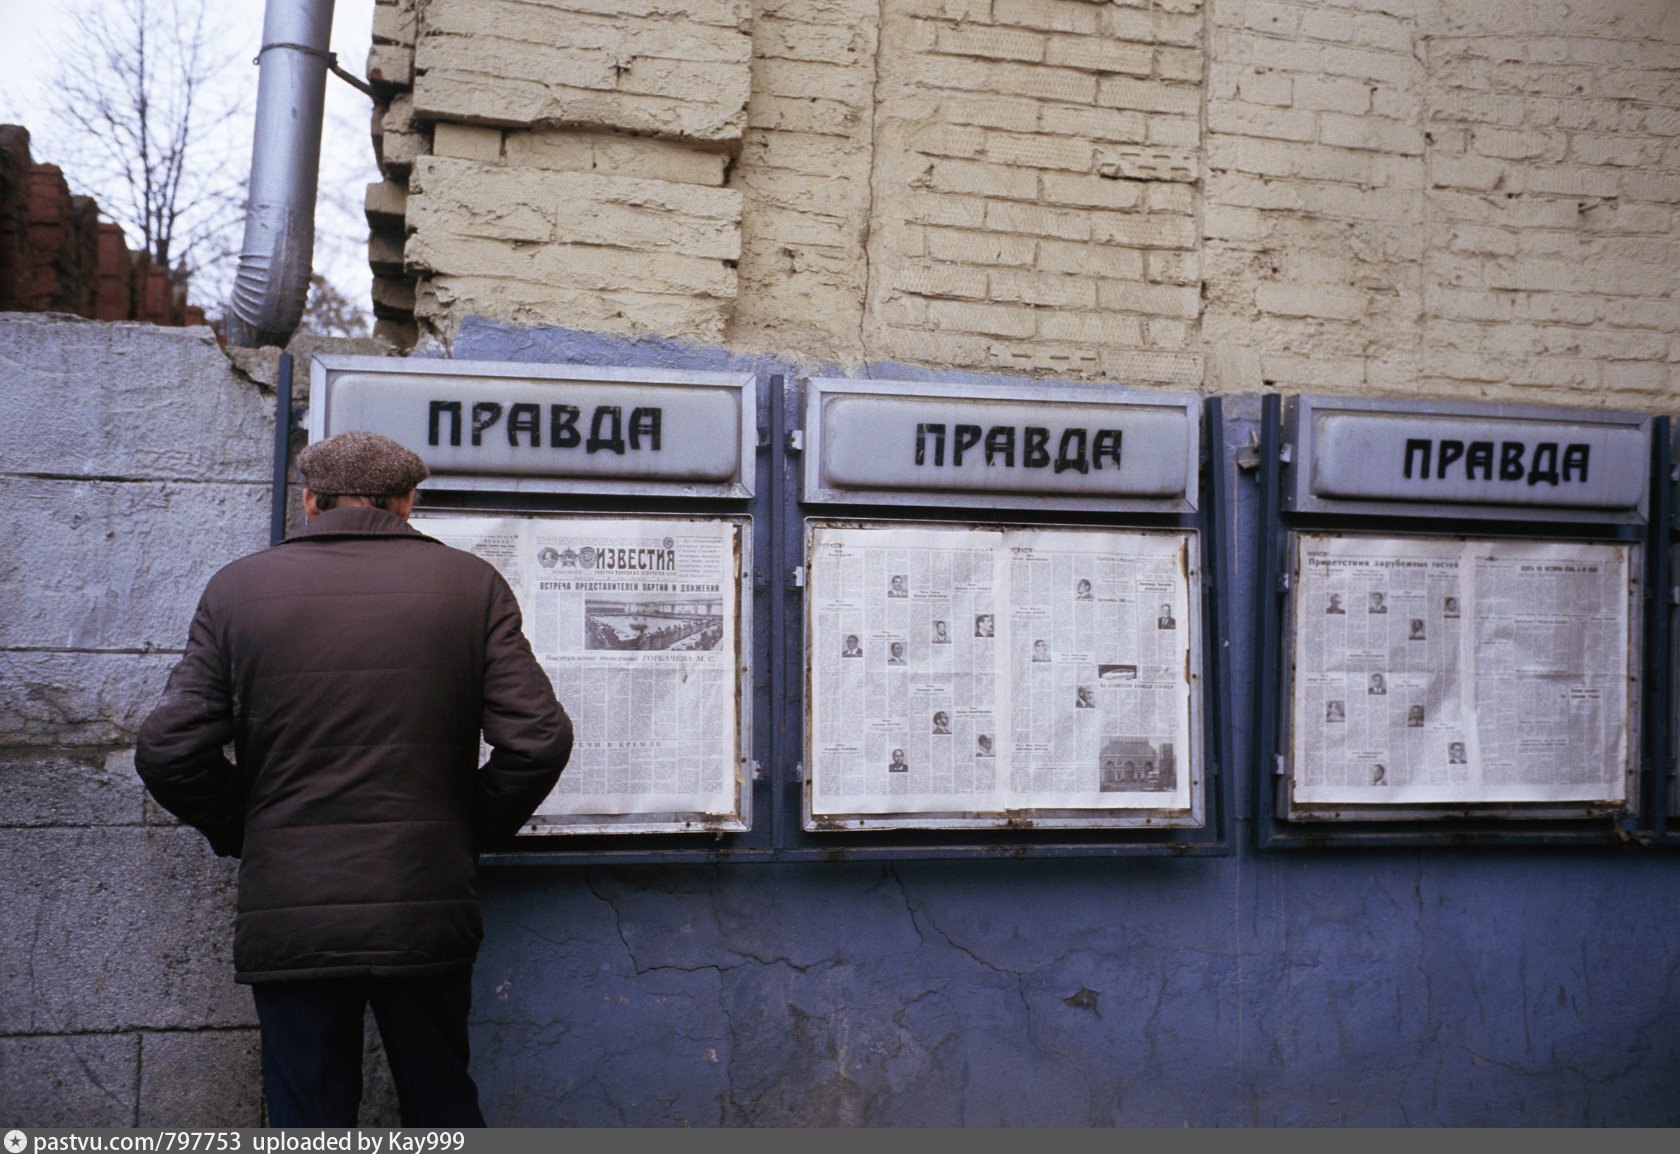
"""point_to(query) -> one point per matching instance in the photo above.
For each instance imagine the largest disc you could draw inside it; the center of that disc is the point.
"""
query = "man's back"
(359, 661)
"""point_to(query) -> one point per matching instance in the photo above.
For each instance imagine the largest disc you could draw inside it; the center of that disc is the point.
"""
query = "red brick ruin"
(56, 255)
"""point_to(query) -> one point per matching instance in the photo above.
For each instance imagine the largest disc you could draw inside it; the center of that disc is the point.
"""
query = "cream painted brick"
(1090, 191)
(1083, 258)
(1145, 230)
(1106, 125)
(1262, 120)
(626, 30)
(989, 42)
(800, 40)
(1149, 163)
(1039, 357)
(571, 151)
(1035, 220)
(1010, 114)
(1446, 301)
(1152, 367)
(1224, 222)
(979, 179)
(1343, 60)
(1241, 190)
(964, 212)
(1369, 132)
(778, 113)
(984, 319)
(979, 11)
(960, 141)
(1047, 152)
(802, 152)
(1622, 151)
(1261, 86)
(1091, 328)
(394, 24)
(1175, 131)
(1157, 27)
(1265, 16)
(467, 142)
(1390, 33)
(1295, 300)
(1049, 15)
(920, 346)
(1652, 314)
(1508, 145)
(1090, 54)
(1124, 92)
(1656, 187)
(1467, 172)
(1556, 307)
(1042, 289)
(1165, 334)
(1572, 180)
(951, 246)
(1035, 80)
(942, 281)
(1317, 373)
(1331, 94)
(385, 204)
(391, 64)
(1182, 268)
(466, 96)
(1327, 24)
(1178, 64)
(1159, 300)
(806, 80)
(1177, 199)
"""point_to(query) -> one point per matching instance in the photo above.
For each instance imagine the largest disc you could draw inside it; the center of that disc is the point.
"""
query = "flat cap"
(360, 464)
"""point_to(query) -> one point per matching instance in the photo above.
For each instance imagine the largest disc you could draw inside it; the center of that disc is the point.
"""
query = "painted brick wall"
(1407, 197)
(1446, 200)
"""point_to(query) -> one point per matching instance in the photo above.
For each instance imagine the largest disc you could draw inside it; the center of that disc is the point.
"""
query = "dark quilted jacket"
(352, 669)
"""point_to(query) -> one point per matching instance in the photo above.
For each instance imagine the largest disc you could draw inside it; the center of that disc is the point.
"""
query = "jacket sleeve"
(179, 754)
(526, 727)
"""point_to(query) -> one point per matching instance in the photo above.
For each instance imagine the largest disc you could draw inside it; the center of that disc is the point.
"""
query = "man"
(1165, 619)
(852, 648)
(353, 668)
(1378, 686)
(899, 765)
(895, 654)
(941, 722)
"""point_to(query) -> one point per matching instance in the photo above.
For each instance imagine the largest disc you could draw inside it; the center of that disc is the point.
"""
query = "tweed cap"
(360, 464)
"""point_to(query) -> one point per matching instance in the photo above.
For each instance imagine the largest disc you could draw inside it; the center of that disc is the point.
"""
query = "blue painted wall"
(1388, 987)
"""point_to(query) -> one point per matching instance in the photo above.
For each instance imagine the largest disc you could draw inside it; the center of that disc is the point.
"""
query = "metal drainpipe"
(272, 285)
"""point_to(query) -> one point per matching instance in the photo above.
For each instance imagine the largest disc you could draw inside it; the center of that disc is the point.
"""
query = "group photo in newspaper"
(1443, 670)
(966, 672)
(636, 621)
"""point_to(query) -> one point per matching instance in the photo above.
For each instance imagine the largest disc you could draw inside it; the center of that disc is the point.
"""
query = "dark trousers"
(312, 1048)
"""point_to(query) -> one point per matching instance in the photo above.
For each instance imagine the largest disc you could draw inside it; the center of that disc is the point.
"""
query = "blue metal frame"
(795, 843)
(1660, 721)
(1271, 706)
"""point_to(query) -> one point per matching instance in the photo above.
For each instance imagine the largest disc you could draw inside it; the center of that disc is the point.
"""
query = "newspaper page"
(636, 623)
(1434, 670)
(979, 672)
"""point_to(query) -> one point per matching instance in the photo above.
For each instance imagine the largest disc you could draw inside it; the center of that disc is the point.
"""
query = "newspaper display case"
(623, 506)
(1451, 623)
(1009, 638)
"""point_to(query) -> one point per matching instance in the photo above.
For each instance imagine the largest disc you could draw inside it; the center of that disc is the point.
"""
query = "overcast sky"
(32, 36)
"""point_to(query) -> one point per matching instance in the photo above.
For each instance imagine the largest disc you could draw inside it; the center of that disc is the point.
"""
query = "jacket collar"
(355, 521)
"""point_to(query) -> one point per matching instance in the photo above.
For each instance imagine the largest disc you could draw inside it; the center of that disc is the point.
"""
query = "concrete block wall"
(1416, 198)
(136, 463)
